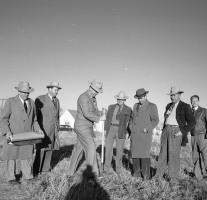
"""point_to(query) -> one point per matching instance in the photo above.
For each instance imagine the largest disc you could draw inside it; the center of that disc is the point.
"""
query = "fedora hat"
(175, 90)
(24, 86)
(140, 93)
(96, 85)
(121, 95)
(53, 84)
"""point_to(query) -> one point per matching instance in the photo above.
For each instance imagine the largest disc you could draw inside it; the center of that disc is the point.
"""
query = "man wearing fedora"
(116, 123)
(87, 114)
(178, 121)
(19, 116)
(144, 119)
(198, 137)
(48, 109)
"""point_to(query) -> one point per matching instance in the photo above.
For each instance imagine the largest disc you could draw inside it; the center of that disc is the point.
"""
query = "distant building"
(67, 117)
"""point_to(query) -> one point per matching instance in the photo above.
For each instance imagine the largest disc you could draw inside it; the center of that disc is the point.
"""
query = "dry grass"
(56, 184)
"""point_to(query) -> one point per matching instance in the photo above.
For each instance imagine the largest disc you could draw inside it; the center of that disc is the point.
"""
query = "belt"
(114, 124)
(171, 125)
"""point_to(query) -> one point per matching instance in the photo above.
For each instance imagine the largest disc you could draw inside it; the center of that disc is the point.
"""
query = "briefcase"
(27, 138)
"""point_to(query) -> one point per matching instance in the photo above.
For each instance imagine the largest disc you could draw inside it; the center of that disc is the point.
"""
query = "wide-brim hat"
(175, 90)
(140, 93)
(96, 85)
(54, 84)
(24, 86)
(121, 95)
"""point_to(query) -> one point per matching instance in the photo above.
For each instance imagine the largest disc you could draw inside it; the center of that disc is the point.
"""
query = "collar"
(22, 100)
(196, 108)
(50, 96)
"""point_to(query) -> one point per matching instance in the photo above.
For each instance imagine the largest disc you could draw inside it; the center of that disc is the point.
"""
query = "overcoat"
(87, 114)
(48, 119)
(145, 116)
(14, 119)
(123, 118)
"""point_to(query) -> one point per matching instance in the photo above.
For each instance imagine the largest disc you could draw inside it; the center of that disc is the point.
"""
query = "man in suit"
(48, 108)
(117, 120)
(179, 120)
(144, 119)
(198, 137)
(87, 114)
(19, 116)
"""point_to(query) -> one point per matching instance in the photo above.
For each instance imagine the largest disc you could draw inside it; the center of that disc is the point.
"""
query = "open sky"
(128, 44)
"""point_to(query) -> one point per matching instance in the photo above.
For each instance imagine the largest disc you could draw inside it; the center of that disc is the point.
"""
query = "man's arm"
(154, 118)
(5, 116)
(89, 114)
(190, 119)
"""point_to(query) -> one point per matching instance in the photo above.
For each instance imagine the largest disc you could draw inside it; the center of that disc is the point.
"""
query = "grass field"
(55, 185)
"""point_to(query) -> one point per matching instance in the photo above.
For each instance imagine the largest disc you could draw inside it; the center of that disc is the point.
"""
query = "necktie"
(94, 102)
(54, 102)
(25, 106)
(169, 110)
(193, 110)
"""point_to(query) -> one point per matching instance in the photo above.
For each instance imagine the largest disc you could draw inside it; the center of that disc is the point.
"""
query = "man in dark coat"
(198, 137)
(117, 120)
(87, 114)
(19, 116)
(144, 119)
(179, 120)
(48, 109)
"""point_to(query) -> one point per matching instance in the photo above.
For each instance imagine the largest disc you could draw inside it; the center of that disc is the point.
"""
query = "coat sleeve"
(5, 116)
(154, 118)
(190, 119)
(36, 124)
(88, 113)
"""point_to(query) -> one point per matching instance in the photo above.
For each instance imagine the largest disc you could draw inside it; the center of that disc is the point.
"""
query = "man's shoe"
(14, 182)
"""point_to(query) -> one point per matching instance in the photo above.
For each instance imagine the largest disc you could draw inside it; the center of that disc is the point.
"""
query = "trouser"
(26, 168)
(169, 153)
(86, 143)
(141, 167)
(42, 161)
(111, 137)
(199, 153)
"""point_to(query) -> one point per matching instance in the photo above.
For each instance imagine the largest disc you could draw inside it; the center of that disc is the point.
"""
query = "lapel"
(49, 101)
(20, 104)
(179, 107)
(143, 107)
(198, 111)
(29, 107)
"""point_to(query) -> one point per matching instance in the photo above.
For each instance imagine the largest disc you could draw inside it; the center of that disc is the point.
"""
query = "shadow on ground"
(87, 188)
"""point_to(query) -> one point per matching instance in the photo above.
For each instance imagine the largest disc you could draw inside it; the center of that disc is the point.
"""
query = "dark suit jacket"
(123, 118)
(48, 118)
(201, 121)
(185, 119)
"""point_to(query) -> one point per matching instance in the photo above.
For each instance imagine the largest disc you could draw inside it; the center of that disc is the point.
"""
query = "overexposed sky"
(128, 44)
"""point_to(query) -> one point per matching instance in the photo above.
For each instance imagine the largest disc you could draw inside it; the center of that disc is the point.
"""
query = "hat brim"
(123, 98)
(176, 92)
(49, 86)
(29, 90)
(146, 92)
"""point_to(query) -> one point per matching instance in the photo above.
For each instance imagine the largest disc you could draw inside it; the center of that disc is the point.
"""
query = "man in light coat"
(48, 109)
(117, 120)
(87, 114)
(199, 137)
(19, 116)
(144, 120)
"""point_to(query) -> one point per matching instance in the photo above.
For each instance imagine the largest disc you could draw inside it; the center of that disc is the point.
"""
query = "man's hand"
(103, 111)
(178, 133)
(8, 135)
(40, 131)
(127, 136)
